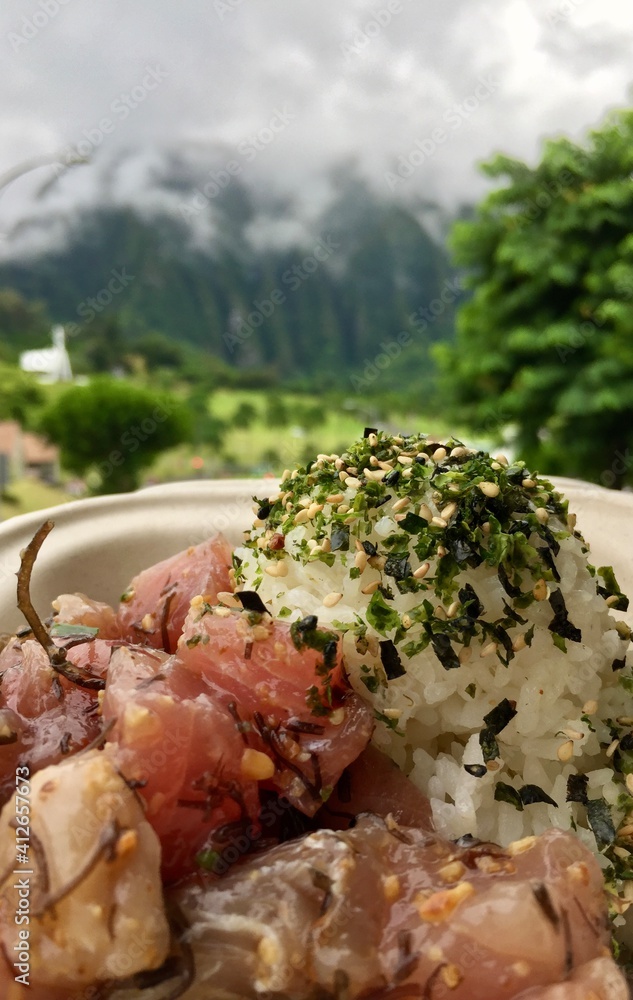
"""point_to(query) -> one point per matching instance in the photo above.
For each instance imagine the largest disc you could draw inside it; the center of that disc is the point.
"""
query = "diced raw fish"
(183, 750)
(154, 607)
(290, 700)
(90, 884)
(383, 911)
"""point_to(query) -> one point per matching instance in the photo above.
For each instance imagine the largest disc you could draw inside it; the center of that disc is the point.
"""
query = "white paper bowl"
(98, 545)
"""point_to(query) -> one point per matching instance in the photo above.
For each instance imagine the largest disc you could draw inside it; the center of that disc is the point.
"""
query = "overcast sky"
(413, 92)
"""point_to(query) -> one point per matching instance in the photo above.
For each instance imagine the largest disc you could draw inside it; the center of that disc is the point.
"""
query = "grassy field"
(265, 434)
(26, 495)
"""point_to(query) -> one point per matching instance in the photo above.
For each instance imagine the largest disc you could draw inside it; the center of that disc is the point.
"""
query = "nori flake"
(398, 567)
(506, 793)
(504, 580)
(531, 794)
(444, 651)
(618, 665)
(488, 744)
(339, 539)
(577, 788)
(251, 601)
(391, 660)
(600, 821)
(560, 623)
(476, 770)
(470, 602)
(500, 716)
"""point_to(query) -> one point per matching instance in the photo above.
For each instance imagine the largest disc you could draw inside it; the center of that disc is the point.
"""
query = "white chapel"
(52, 364)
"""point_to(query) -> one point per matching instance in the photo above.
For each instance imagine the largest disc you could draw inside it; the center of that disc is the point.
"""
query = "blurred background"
(232, 234)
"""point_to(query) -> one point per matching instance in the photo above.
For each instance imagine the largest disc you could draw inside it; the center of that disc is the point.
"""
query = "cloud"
(161, 94)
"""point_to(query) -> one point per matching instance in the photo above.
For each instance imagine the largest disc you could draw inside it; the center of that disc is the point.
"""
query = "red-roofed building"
(25, 454)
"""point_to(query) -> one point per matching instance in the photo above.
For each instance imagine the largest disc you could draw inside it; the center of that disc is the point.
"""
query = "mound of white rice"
(473, 624)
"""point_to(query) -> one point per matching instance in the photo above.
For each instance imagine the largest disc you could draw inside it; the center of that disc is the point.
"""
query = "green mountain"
(370, 283)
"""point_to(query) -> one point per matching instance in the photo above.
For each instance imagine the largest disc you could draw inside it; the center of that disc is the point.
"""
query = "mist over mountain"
(251, 279)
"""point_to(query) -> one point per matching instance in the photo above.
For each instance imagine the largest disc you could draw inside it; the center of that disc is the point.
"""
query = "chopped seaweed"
(560, 623)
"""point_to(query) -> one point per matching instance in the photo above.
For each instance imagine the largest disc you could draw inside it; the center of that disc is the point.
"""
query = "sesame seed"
(407, 621)
(489, 489)
(326, 545)
(259, 632)
(493, 765)
(459, 452)
(573, 734)
(590, 707)
(391, 887)
(501, 459)
(488, 649)
(441, 551)
(339, 464)
(302, 516)
(452, 871)
(407, 474)
(352, 483)
(571, 521)
(565, 751)
(448, 511)
(440, 612)
(425, 512)
(229, 599)
(360, 561)
(422, 570)
(350, 519)
(374, 475)
(335, 498)
(343, 475)
(392, 713)
(629, 783)
(401, 504)
(528, 484)
(613, 599)
(521, 846)
(439, 522)
(451, 975)
(453, 609)
(519, 643)
(439, 455)
(337, 716)
(256, 766)
(465, 654)
(613, 746)
(405, 460)
(540, 590)
(542, 515)
(331, 599)
(222, 612)
(486, 527)
(371, 588)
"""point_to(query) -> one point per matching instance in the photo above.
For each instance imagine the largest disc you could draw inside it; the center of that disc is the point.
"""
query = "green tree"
(20, 395)
(114, 430)
(545, 344)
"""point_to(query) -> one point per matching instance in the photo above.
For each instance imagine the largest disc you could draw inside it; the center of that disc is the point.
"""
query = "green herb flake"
(471, 689)
(61, 630)
(380, 616)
